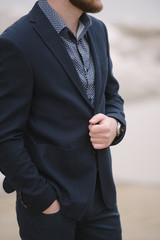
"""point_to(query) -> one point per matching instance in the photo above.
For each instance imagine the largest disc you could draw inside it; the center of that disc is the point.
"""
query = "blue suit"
(45, 149)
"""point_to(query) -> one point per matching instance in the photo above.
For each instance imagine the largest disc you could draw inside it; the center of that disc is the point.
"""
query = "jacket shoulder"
(98, 24)
(17, 30)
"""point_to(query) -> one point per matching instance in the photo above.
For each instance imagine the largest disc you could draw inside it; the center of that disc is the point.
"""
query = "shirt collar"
(59, 25)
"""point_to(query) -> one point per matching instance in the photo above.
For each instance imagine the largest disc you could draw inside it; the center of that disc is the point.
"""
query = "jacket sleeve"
(16, 89)
(114, 102)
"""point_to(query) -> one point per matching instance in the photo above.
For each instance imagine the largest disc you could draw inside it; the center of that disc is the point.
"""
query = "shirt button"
(86, 70)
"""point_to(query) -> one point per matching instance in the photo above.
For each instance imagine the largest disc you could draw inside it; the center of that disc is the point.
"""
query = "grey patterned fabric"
(77, 47)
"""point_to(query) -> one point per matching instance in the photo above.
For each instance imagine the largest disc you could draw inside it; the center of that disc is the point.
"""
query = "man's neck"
(68, 12)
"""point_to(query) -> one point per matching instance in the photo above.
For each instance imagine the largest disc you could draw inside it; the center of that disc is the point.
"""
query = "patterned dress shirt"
(77, 47)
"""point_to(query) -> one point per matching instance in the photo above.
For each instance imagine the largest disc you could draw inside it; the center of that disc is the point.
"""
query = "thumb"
(97, 118)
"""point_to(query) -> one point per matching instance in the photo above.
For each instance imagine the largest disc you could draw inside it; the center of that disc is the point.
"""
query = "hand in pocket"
(53, 208)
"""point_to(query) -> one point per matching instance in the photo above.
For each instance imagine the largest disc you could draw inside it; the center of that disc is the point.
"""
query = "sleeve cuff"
(119, 138)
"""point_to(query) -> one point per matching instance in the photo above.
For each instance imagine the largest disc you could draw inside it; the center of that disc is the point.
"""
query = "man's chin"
(89, 6)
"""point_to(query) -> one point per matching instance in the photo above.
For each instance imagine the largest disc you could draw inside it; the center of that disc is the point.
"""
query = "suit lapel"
(55, 44)
(98, 83)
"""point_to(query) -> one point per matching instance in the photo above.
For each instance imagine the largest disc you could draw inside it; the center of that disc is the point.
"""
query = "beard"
(89, 6)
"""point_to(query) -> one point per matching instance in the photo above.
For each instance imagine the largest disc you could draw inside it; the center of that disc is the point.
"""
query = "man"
(59, 113)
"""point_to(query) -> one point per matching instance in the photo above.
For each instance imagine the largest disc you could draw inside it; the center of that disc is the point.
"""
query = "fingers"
(97, 141)
(102, 131)
(97, 118)
(99, 135)
(100, 143)
(97, 124)
(53, 208)
(99, 146)
(95, 129)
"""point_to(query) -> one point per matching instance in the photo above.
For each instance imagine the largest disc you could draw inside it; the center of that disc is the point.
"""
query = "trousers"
(98, 223)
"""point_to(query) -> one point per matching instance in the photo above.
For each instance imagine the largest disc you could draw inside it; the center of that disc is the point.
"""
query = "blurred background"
(134, 33)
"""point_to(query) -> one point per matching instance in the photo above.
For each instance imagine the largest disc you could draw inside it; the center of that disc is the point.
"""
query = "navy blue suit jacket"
(45, 149)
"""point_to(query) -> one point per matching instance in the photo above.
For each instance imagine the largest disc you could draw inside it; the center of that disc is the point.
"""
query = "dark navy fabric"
(98, 223)
(45, 149)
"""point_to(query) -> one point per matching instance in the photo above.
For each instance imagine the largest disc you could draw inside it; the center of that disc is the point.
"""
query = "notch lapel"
(48, 34)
